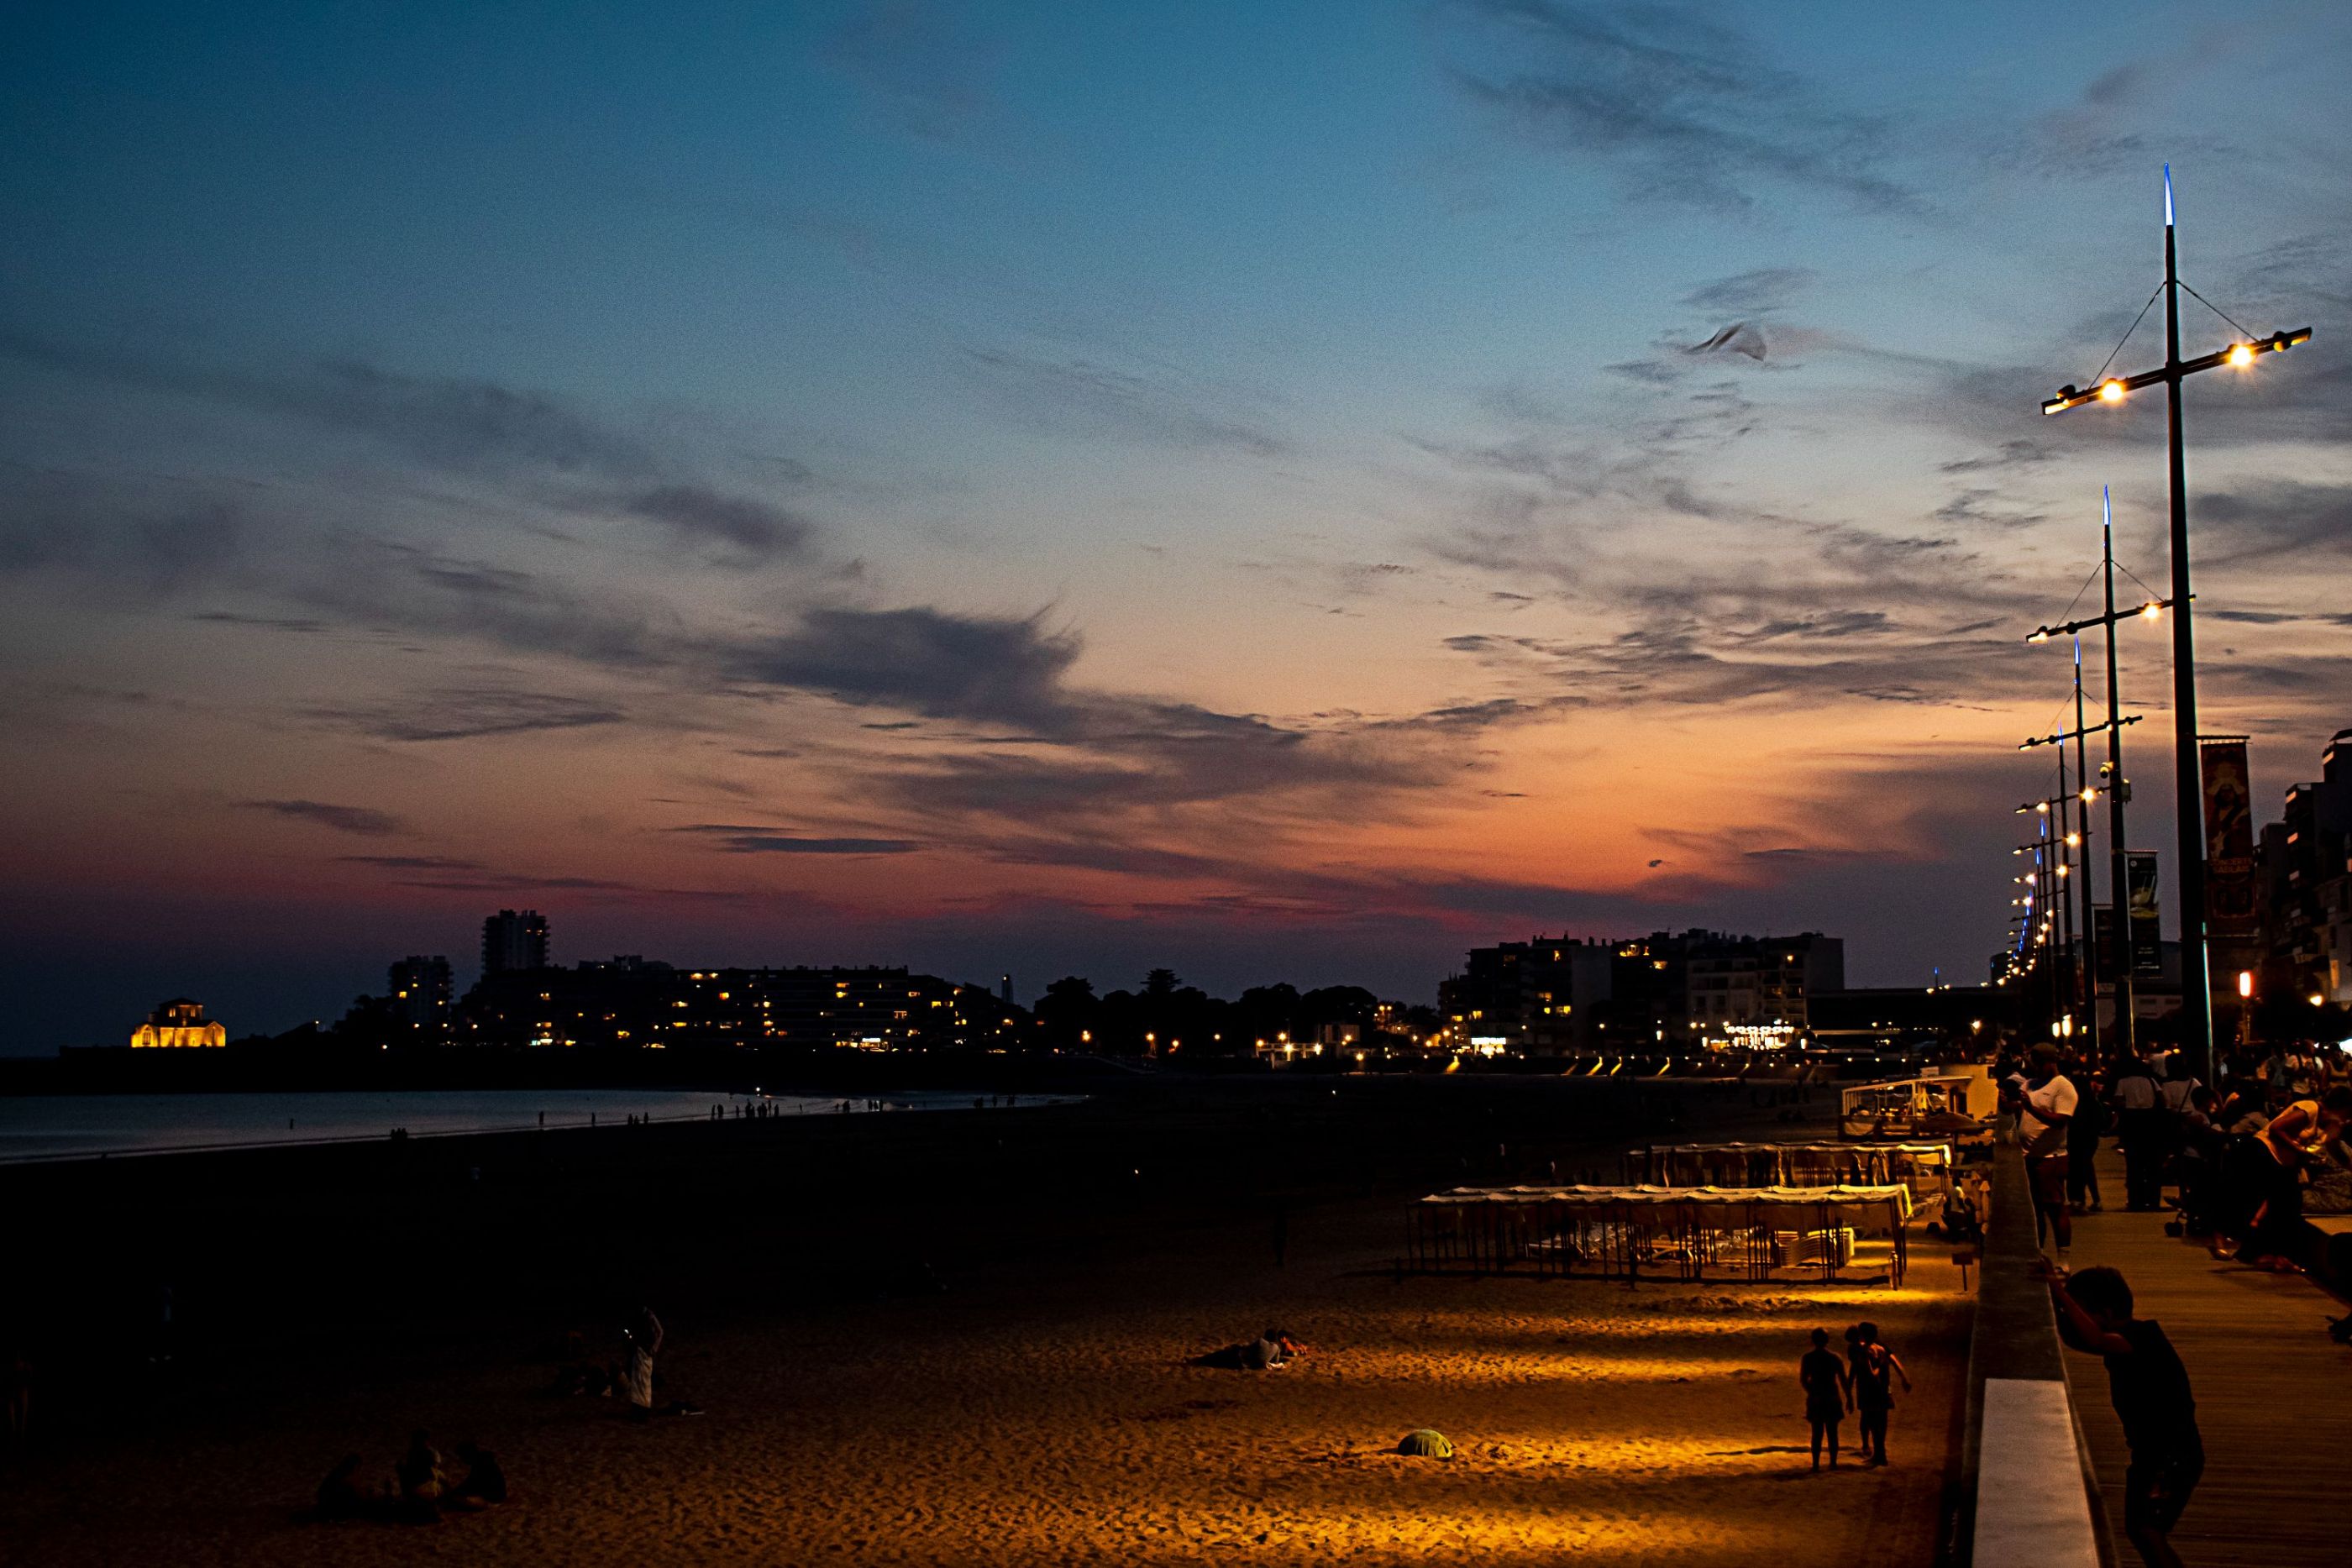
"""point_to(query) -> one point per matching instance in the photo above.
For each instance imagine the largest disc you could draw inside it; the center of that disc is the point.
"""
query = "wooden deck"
(2271, 1395)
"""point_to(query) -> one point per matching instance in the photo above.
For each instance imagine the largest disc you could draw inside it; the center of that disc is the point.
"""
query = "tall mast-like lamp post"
(2196, 977)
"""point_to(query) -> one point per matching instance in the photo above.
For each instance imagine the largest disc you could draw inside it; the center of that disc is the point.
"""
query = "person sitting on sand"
(645, 1336)
(1270, 1350)
(421, 1477)
(484, 1483)
(338, 1496)
(1822, 1377)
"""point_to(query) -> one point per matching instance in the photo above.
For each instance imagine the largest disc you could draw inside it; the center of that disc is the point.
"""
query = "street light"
(2196, 977)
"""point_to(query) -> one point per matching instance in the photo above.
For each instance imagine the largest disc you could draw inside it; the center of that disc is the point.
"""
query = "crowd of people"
(2251, 1156)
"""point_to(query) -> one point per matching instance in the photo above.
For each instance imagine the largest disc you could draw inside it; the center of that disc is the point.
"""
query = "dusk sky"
(1063, 488)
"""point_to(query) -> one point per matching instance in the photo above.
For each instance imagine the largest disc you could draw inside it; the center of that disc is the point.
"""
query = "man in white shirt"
(2049, 1104)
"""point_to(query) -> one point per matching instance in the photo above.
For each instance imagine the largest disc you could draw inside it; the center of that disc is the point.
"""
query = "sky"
(1286, 491)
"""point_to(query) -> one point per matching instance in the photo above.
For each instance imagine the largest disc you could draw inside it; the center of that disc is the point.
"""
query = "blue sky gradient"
(1062, 488)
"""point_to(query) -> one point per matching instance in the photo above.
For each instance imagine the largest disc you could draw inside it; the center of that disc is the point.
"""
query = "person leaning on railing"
(2149, 1388)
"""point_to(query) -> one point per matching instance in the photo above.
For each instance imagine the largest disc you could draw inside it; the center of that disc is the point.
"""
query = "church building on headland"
(179, 1021)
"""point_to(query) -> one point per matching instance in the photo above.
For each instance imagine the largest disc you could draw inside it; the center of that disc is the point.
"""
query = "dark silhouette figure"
(1875, 1370)
(339, 1495)
(1823, 1378)
(484, 1483)
(2151, 1394)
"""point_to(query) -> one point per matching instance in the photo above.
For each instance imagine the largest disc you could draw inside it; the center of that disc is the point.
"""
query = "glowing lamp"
(2245, 984)
(2111, 392)
(2240, 355)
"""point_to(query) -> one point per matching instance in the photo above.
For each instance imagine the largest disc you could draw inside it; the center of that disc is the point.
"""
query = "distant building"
(1675, 990)
(178, 1022)
(513, 941)
(2304, 878)
(420, 995)
(634, 1002)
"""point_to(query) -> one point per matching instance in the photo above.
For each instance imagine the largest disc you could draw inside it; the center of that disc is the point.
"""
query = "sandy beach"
(1040, 1409)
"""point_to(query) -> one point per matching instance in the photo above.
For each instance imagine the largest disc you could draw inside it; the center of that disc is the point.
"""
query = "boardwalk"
(2270, 1385)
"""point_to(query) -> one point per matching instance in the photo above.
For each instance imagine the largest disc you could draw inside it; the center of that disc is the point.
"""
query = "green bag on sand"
(1426, 1445)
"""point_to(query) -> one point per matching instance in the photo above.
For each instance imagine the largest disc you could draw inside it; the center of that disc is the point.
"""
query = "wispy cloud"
(739, 839)
(1147, 403)
(467, 713)
(923, 61)
(364, 822)
(1688, 110)
(1752, 293)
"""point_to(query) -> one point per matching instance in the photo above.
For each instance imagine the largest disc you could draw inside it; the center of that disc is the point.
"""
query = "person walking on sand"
(1874, 1372)
(1853, 1372)
(2150, 1390)
(1823, 1378)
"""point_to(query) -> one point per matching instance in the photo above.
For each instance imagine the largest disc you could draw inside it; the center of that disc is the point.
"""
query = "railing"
(2027, 1496)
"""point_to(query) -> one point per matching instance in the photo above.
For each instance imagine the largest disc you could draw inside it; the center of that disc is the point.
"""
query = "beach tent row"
(1925, 1167)
(1685, 1231)
(1878, 1202)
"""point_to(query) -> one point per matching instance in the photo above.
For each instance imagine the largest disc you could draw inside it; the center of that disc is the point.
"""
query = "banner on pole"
(2140, 884)
(2228, 836)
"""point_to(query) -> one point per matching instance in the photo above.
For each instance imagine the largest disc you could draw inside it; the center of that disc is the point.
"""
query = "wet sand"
(1040, 1410)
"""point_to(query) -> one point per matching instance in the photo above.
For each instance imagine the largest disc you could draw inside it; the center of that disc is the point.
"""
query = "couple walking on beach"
(1861, 1383)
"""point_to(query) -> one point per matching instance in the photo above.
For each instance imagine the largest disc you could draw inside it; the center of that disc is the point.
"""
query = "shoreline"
(807, 1107)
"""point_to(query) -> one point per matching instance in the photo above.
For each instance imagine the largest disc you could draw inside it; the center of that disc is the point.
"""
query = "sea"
(86, 1126)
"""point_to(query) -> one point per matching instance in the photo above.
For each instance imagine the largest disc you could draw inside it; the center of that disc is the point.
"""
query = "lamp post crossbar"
(2077, 733)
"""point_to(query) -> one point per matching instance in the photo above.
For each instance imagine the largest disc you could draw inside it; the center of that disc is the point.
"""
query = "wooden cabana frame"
(1925, 1167)
(1687, 1233)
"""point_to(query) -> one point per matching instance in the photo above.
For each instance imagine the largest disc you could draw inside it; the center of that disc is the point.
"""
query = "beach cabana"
(1925, 1167)
(1689, 1233)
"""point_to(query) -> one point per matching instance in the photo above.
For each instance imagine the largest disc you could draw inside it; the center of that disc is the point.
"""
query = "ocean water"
(79, 1127)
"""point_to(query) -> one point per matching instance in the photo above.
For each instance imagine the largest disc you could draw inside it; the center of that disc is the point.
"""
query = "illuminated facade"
(178, 1022)
(513, 942)
(1550, 995)
(635, 1001)
(420, 997)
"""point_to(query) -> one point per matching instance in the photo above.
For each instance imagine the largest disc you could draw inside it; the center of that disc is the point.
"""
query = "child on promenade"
(2151, 1394)
(1823, 1375)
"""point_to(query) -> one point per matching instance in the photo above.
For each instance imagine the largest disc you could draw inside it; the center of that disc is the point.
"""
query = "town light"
(2111, 392)
(2245, 984)
(2240, 356)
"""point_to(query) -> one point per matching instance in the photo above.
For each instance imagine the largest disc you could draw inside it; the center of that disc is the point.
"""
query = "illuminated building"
(512, 941)
(639, 1003)
(1550, 995)
(419, 994)
(178, 1022)
(2304, 870)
